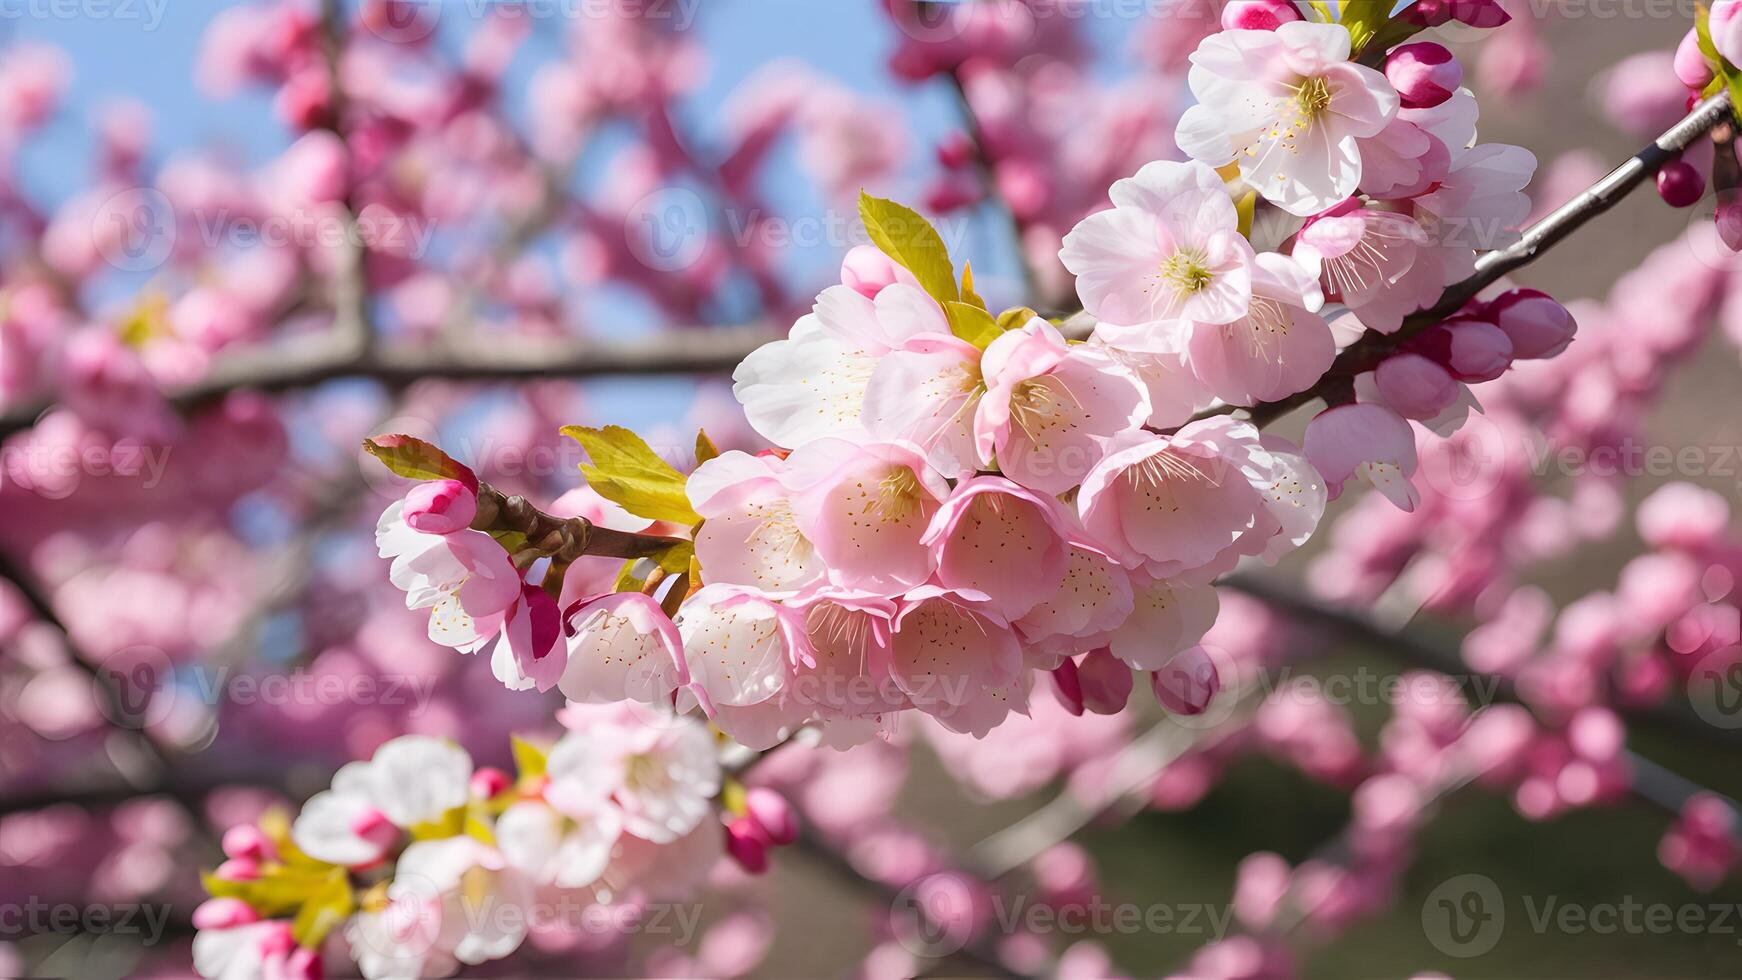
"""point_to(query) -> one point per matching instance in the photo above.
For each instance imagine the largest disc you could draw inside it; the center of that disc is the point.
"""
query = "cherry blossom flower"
(464, 578)
(866, 508)
(812, 384)
(1169, 249)
(411, 780)
(1288, 107)
(621, 646)
(1049, 407)
(1366, 442)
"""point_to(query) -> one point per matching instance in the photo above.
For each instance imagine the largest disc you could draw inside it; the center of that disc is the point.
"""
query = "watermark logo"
(134, 230)
(1464, 916)
(667, 230)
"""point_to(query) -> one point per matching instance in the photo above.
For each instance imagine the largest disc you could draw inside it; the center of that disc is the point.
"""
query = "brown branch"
(564, 539)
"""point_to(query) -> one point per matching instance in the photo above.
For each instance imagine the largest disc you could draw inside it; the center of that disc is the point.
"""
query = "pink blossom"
(1289, 108)
(1000, 541)
(1049, 407)
(1368, 442)
(1170, 249)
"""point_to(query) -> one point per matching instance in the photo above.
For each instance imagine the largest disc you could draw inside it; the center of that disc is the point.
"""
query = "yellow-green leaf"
(529, 759)
(972, 324)
(332, 904)
(416, 459)
(900, 233)
(626, 471)
(968, 294)
(1015, 318)
(1362, 18)
(705, 448)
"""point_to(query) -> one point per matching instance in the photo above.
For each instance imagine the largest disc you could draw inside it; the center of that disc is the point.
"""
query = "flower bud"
(238, 869)
(1729, 218)
(1106, 682)
(1474, 350)
(745, 846)
(1690, 63)
(1188, 683)
(1425, 74)
(1680, 184)
(1069, 688)
(955, 151)
(489, 782)
(771, 815)
(866, 271)
(224, 913)
(440, 507)
(1536, 323)
(373, 826)
(1415, 386)
(1258, 15)
(246, 841)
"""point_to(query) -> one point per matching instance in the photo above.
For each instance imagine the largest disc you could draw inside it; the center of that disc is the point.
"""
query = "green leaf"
(674, 560)
(1323, 9)
(280, 889)
(415, 459)
(968, 294)
(626, 471)
(972, 324)
(1703, 34)
(705, 448)
(1362, 18)
(529, 759)
(1015, 318)
(900, 233)
(332, 904)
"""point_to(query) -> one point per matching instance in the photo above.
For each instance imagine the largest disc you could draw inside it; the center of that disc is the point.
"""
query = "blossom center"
(898, 494)
(1188, 271)
(1312, 97)
(1039, 404)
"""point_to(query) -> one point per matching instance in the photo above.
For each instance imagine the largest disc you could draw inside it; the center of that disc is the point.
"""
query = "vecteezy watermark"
(669, 229)
(136, 230)
(1677, 10)
(55, 471)
(939, 914)
(35, 917)
(149, 13)
(146, 687)
(1466, 916)
(411, 21)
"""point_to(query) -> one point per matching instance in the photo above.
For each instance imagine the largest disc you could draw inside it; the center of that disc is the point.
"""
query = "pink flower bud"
(955, 151)
(440, 507)
(1729, 218)
(373, 826)
(1475, 13)
(490, 782)
(1424, 73)
(1188, 683)
(1258, 15)
(771, 815)
(1536, 323)
(952, 194)
(1106, 682)
(1474, 350)
(1414, 386)
(303, 964)
(1068, 686)
(1690, 63)
(247, 841)
(224, 913)
(866, 270)
(745, 846)
(1680, 184)
(238, 869)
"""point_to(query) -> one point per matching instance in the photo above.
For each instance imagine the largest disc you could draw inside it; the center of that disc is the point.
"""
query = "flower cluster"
(424, 863)
(960, 499)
